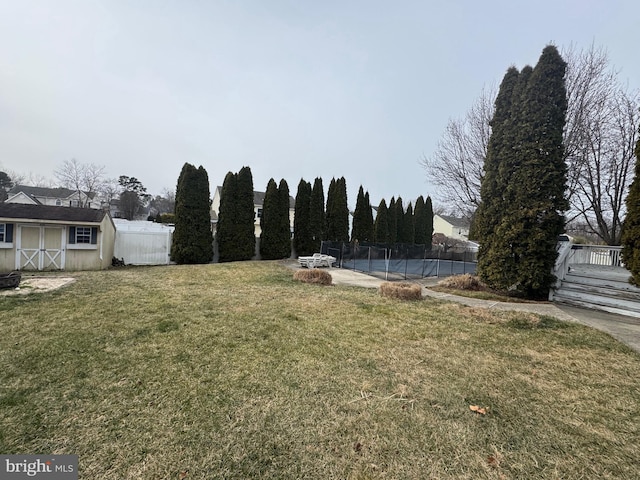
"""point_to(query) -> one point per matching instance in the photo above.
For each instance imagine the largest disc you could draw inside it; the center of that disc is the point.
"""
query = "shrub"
(402, 291)
(313, 275)
(464, 282)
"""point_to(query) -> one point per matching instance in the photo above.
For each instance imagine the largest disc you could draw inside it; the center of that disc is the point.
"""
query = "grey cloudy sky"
(293, 89)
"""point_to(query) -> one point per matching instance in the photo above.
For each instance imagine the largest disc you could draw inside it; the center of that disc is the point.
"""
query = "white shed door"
(40, 248)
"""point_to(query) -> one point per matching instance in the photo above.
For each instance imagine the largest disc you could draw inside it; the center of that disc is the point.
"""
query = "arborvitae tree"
(275, 241)
(330, 233)
(284, 230)
(302, 237)
(381, 227)
(317, 219)
(393, 221)
(429, 219)
(519, 224)
(420, 228)
(192, 238)
(399, 221)
(500, 143)
(337, 211)
(368, 231)
(360, 230)
(245, 211)
(540, 200)
(342, 210)
(493, 258)
(631, 225)
(269, 222)
(227, 232)
(408, 225)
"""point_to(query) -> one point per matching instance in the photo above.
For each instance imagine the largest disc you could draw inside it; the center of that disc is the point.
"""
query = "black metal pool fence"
(402, 260)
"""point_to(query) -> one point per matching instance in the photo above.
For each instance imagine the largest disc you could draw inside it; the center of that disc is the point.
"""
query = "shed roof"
(46, 212)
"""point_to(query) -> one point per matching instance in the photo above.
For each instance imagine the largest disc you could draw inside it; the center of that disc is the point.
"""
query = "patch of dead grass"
(313, 275)
(401, 290)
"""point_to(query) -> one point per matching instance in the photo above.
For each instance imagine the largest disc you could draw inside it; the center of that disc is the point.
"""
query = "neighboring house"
(59, 197)
(42, 237)
(114, 209)
(451, 227)
(258, 202)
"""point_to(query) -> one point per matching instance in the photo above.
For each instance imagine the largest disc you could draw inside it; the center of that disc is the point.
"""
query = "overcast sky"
(293, 89)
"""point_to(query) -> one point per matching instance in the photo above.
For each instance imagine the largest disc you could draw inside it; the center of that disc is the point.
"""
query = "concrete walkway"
(624, 329)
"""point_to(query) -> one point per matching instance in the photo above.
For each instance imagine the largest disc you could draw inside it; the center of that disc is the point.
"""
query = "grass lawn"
(236, 371)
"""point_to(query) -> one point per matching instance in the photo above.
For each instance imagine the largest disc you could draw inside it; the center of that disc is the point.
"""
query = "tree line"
(313, 221)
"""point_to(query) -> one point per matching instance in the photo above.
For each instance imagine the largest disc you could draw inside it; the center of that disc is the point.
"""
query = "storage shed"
(42, 237)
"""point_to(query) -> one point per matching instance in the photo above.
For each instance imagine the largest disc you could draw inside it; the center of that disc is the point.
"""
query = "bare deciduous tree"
(456, 167)
(600, 134)
(81, 177)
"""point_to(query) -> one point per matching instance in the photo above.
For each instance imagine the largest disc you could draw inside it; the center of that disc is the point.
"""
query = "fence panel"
(400, 260)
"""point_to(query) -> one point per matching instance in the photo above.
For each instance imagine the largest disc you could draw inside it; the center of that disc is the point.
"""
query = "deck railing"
(603, 255)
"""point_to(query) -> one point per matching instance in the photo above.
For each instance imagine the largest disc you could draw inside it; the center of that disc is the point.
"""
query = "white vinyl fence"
(143, 243)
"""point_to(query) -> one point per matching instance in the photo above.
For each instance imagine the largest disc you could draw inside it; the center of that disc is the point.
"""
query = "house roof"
(58, 192)
(455, 221)
(45, 212)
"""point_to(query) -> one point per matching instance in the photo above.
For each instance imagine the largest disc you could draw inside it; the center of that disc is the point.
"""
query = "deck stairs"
(597, 286)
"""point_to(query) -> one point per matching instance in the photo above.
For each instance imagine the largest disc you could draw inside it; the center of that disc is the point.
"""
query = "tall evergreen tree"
(368, 225)
(362, 228)
(192, 238)
(429, 219)
(393, 221)
(399, 221)
(284, 224)
(381, 227)
(227, 231)
(495, 264)
(337, 211)
(269, 222)
(302, 236)
(631, 225)
(330, 232)
(519, 225)
(421, 222)
(246, 215)
(275, 241)
(408, 225)
(317, 220)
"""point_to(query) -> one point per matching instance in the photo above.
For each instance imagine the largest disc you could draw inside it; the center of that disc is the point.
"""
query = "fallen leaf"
(357, 446)
(477, 409)
(493, 461)
(183, 475)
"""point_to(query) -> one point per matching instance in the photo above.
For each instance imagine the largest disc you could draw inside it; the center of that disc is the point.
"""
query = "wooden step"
(600, 299)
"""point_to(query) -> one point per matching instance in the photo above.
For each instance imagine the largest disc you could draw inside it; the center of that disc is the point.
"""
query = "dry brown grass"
(237, 371)
(401, 291)
(313, 275)
(464, 282)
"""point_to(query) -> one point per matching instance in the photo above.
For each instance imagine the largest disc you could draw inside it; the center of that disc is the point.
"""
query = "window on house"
(2, 232)
(259, 214)
(58, 202)
(73, 203)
